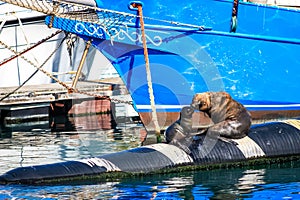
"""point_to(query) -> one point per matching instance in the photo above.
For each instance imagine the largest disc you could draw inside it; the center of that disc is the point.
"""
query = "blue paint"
(258, 65)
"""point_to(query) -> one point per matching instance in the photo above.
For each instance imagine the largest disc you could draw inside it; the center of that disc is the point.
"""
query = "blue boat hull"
(210, 61)
(262, 72)
(258, 64)
(254, 19)
(192, 49)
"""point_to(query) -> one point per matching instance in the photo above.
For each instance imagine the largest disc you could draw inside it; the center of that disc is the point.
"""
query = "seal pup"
(231, 119)
(178, 133)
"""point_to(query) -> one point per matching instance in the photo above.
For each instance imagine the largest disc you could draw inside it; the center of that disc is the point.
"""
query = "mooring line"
(17, 54)
(69, 88)
(148, 71)
(32, 75)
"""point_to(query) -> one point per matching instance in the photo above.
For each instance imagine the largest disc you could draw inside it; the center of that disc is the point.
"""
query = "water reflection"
(275, 182)
(44, 146)
(215, 184)
(249, 180)
(86, 122)
(41, 146)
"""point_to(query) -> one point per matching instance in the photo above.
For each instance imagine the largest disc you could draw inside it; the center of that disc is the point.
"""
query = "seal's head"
(201, 101)
(187, 112)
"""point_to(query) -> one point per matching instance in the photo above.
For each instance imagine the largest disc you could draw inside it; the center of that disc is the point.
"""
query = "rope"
(2, 24)
(32, 75)
(235, 7)
(50, 75)
(24, 34)
(124, 14)
(108, 19)
(149, 80)
(20, 86)
(17, 54)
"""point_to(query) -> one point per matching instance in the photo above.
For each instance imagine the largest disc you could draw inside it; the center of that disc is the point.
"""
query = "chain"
(104, 97)
(121, 101)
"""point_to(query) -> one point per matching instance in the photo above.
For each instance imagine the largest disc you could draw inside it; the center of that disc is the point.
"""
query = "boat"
(21, 29)
(273, 142)
(165, 52)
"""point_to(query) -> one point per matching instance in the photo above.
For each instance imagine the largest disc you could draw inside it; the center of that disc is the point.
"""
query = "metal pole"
(78, 72)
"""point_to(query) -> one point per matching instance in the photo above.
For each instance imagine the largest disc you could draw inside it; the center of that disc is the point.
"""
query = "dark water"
(41, 146)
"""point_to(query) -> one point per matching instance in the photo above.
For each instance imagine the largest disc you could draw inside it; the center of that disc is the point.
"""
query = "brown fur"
(231, 119)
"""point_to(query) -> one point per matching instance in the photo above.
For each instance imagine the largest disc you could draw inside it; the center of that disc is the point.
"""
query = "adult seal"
(178, 133)
(231, 119)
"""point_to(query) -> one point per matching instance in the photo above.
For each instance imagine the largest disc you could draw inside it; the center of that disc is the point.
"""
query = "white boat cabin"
(284, 3)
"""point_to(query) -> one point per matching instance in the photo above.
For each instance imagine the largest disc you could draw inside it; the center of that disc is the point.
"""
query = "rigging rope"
(32, 75)
(109, 20)
(17, 54)
(2, 24)
(149, 79)
(50, 75)
(23, 31)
